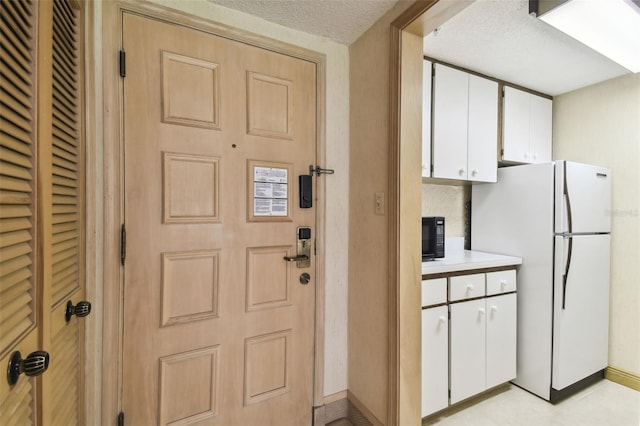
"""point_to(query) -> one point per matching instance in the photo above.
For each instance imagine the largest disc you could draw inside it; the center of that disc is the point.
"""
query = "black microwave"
(432, 237)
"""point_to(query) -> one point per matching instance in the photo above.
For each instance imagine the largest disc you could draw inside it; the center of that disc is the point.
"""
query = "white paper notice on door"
(271, 191)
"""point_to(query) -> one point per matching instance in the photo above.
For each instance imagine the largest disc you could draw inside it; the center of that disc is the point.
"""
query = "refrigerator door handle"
(565, 276)
(568, 203)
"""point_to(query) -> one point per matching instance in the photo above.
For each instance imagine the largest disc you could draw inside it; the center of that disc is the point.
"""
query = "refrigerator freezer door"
(581, 327)
(582, 198)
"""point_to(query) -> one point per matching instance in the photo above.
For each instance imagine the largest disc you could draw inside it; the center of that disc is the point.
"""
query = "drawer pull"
(469, 288)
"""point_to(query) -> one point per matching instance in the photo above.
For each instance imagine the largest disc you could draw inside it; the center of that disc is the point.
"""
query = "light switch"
(380, 203)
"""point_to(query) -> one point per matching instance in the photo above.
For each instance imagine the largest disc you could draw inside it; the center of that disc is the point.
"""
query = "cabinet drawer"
(501, 282)
(434, 291)
(466, 287)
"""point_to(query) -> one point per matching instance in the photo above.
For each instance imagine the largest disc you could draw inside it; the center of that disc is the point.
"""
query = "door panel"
(501, 339)
(467, 344)
(435, 359)
(589, 198)
(218, 328)
(482, 142)
(581, 327)
(450, 119)
(20, 326)
(41, 220)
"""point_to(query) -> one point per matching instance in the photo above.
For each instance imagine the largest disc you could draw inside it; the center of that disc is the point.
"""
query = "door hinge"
(121, 419)
(123, 64)
(123, 243)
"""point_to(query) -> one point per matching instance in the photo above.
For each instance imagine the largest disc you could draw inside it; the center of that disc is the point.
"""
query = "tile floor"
(603, 404)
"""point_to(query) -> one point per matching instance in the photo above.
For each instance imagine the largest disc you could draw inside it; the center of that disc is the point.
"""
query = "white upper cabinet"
(426, 118)
(482, 142)
(526, 127)
(465, 126)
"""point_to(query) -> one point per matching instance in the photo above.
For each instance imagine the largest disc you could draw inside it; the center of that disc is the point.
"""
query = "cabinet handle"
(526, 155)
(469, 288)
(535, 155)
(474, 172)
(442, 320)
(503, 284)
(461, 172)
(494, 308)
(481, 311)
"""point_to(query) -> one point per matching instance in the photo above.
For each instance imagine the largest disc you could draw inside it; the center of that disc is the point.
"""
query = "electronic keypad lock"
(303, 255)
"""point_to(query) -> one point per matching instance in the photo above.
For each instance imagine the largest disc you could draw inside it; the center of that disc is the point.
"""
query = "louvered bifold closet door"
(18, 289)
(67, 215)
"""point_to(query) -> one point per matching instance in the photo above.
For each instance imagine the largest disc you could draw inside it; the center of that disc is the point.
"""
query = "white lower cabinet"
(468, 355)
(501, 339)
(435, 359)
(469, 343)
(483, 345)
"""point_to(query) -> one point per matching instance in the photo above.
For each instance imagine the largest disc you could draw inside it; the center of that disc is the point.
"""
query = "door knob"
(82, 309)
(33, 365)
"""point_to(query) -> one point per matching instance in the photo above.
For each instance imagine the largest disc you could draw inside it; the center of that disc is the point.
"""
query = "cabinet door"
(482, 142)
(515, 126)
(426, 118)
(450, 109)
(540, 129)
(501, 339)
(435, 359)
(467, 346)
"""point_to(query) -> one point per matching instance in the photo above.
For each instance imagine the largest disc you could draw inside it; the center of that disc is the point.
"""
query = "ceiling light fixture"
(610, 27)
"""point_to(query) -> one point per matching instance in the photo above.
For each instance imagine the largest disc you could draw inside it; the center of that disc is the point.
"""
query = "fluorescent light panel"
(610, 27)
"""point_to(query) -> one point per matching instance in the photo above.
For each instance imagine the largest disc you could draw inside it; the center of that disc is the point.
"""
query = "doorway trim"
(113, 172)
(405, 130)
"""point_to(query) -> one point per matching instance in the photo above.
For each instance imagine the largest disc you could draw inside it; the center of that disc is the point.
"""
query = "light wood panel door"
(218, 328)
(41, 209)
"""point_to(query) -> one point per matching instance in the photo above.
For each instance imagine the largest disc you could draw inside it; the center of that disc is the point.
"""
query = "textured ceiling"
(494, 37)
(499, 38)
(340, 20)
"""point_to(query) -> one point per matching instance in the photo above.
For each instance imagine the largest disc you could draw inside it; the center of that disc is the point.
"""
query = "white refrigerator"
(557, 217)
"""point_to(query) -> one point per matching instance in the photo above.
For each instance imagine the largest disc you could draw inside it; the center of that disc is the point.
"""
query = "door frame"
(405, 140)
(112, 306)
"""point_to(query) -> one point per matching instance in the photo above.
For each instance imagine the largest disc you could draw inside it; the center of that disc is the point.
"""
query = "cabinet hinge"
(121, 419)
(123, 244)
(123, 64)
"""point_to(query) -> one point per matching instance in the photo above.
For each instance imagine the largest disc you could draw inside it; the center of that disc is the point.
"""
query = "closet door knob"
(33, 365)
(82, 309)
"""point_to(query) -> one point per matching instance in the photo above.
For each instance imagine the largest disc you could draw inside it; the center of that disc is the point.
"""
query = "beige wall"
(601, 125)
(368, 232)
(447, 201)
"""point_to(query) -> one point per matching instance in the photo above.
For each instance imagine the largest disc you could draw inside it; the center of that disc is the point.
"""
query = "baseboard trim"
(328, 399)
(625, 378)
(362, 409)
